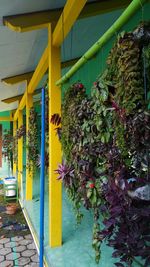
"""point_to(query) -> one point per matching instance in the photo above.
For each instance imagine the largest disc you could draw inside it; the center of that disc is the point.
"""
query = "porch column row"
(29, 174)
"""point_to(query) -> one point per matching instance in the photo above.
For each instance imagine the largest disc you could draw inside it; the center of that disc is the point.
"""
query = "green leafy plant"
(105, 141)
(15, 149)
(84, 142)
(21, 132)
(7, 144)
(33, 142)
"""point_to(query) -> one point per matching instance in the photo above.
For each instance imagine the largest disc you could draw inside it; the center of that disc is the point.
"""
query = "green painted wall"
(88, 73)
(4, 170)
(5, 124)
(76, 249)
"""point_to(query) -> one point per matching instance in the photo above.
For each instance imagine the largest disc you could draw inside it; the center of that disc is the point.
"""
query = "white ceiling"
(20, 52)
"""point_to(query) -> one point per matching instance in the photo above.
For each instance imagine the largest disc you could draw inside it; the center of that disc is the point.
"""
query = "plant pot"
(11, 208)
(10, 185)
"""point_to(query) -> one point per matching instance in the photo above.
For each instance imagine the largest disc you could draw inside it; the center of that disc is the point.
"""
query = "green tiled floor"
(76, 250)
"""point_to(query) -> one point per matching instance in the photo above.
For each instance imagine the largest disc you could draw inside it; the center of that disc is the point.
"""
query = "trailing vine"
(15, 149)
(7, 144)
(129, 86)
(106, 150)
(33, 143)
(21, 132)
(128, 158)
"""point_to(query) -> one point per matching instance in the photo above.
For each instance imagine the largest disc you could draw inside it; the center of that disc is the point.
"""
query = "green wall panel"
(88, 73)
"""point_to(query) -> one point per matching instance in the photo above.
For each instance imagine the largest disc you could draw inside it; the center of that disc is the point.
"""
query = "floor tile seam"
(14, 252)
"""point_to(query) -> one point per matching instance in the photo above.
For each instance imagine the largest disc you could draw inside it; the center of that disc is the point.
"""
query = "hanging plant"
(21, 132)
(72, 101)
(127, 228)
(69, 136)
(33, 143)
(46, 133)
(129, 86)
(15, 149)
(146, 61)
(105, 141)
(127, 191)
(84, 138)
(7, 144)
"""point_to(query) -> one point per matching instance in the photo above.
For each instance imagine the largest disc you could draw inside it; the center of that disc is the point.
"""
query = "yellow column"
(14, 134)
(20, 150)
(55, 186)
(29, 173)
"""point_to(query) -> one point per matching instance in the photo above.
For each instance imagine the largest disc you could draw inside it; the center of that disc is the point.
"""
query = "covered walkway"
(74, 86)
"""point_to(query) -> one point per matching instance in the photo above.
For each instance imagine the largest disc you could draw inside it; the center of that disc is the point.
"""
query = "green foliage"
(33, 142)
(72, 100)
(86, 131)
(96, 244)
(148, 98)
(15, 149)
(21, 132)
(129, 85)
(146, 59)
(7, 144)
(105, 136)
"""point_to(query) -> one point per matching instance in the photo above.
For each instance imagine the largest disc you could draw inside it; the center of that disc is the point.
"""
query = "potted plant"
(11, 208)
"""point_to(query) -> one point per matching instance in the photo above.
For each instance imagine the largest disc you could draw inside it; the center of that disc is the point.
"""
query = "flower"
(80, 85)
(63, 171)
(95, 83)
(92, 185)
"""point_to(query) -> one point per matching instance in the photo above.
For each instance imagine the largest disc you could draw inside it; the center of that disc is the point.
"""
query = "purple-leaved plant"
(127, 228)
(65, 173)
